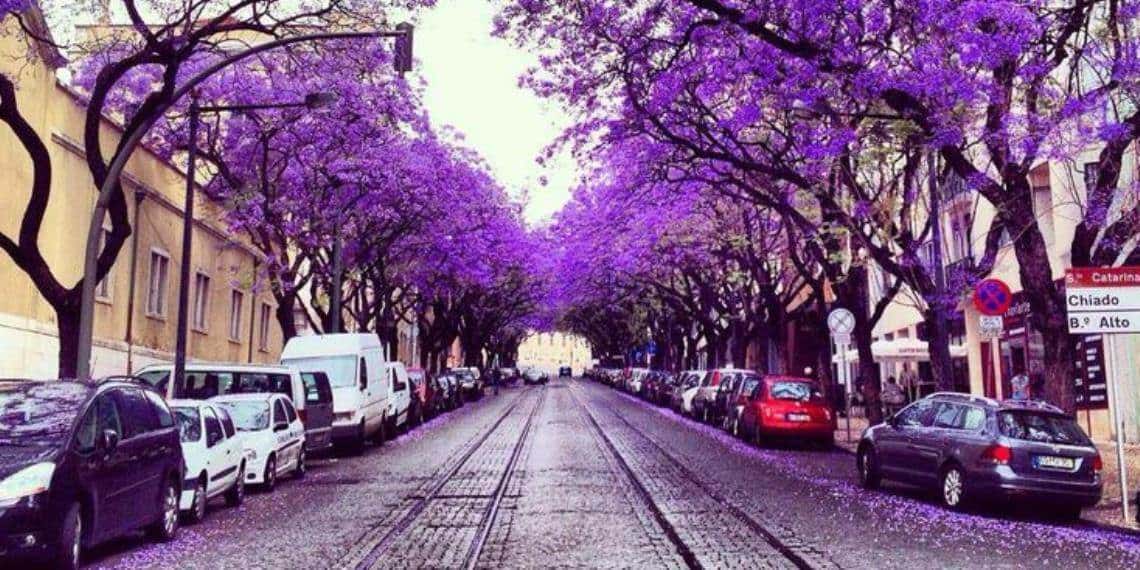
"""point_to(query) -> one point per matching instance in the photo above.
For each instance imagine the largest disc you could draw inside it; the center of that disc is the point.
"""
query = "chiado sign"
(1103, 299)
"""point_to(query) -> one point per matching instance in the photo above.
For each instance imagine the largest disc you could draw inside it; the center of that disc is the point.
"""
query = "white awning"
(900, 350)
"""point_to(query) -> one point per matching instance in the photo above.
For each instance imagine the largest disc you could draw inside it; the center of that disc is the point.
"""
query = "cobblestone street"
(574, 474)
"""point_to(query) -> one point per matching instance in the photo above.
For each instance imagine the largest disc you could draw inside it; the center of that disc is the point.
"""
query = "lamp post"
(403, 63)
(312, 101)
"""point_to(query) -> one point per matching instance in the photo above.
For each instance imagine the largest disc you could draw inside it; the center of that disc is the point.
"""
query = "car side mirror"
(281, 426)
(892, 420)
(109, 440)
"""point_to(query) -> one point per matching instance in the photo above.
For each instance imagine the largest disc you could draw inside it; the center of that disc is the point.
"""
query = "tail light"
(997, 454)
(301, 414)
(715, 379)
(1098, 464)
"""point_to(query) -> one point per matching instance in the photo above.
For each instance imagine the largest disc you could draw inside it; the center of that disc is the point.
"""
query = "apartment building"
(551, 350)
(231, 317)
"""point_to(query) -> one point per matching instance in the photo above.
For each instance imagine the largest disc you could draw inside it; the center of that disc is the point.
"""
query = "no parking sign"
(992, 297)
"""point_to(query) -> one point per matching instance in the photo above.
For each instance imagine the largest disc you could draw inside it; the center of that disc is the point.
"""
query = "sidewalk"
(1107, 512)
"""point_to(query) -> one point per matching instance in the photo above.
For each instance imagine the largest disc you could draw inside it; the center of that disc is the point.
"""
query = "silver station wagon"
(973, 449)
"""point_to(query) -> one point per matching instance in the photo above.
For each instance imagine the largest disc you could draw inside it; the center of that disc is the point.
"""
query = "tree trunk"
(67, 317)
(938, 345)
(739, 347)
(284, 314)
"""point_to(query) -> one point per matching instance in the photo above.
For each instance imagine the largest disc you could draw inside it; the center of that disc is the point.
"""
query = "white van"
(204, 380)
(361, 381)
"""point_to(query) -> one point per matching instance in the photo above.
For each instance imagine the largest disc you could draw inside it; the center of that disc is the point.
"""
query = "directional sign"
(1103, 299)
(841, 321)
(992, 297)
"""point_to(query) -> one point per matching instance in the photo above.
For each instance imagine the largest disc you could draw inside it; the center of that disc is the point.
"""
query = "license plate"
(1053, 462)
(799, 418)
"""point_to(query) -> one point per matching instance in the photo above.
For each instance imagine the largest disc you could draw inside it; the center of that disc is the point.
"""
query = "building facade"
(549, 351)
(231, 317)
(1107, 365)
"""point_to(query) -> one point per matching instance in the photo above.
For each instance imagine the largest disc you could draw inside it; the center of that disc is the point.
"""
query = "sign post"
(841, 322)
(1106, 300)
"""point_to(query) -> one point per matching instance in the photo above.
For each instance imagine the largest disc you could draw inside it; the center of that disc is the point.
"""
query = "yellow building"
(231, 320)
(549, 351)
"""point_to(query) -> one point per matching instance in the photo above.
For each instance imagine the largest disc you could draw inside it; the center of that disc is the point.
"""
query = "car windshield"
(1042, 427)
(251, 415)
(341, 370)
(465, 374)
(784, 390)
(189, 423)
(39, 414)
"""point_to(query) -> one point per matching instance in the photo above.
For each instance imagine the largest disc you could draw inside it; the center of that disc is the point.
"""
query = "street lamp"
(311, 101)
(403, 37)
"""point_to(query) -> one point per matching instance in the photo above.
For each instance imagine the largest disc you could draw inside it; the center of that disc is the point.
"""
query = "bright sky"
(473, 86)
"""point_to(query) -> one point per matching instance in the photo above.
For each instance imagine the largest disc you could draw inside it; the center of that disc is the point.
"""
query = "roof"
(316, 346)
(247, 397)
(183, 403)
(211, 366)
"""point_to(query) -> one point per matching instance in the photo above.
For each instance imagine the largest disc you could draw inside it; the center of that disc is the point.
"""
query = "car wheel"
(198, 509)
(953, 486)
(65, 555)
(867, 464)
(302, 468)
(166, 528)
(236, 495)
(269, 480)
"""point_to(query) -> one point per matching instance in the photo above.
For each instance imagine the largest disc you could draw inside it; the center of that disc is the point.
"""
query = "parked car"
(205, 380)
(449, 384)
(636, 380)
(735, 402)
(970, 448)
(400, 396)
(686, 380)
(418, 392)
(354, 364)
(704, 403)
(271, 435)
(81, 464)
(508, 375)
(565, 372)
(788, 407)
(317, 415)
(213, 454)
(470, 382)
(691, 388)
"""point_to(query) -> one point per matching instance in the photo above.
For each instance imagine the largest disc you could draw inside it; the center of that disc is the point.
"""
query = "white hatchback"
(213, 455)
(271, 433)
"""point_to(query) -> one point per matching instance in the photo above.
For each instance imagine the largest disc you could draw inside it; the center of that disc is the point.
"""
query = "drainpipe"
(252, 318)
(128, 336)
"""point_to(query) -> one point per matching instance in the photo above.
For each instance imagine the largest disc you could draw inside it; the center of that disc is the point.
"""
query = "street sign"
(1103, 300)
(651, 348)
(990, 327)
(992, 297)
(841, 321)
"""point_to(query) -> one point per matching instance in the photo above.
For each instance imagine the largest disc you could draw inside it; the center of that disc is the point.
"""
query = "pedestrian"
(893, 397)
(496, 377)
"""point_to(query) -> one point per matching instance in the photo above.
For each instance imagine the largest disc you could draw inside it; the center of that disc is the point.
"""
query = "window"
(189, 424)
(279, 415)
(103, 288)
(289, 411)
(948, 415)
(916, 415)
(227, 422)
(201, 301)
(213, 427)
(263, 328)
(974, 418)
(237, 299)
(164, 418)
(137, 413)
(156, 294)
(363, 374)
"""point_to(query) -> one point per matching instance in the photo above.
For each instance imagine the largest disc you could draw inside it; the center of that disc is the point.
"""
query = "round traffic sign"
(992, 297)
(841, 321)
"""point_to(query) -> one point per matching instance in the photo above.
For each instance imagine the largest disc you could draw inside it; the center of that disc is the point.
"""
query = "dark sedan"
(81, 464)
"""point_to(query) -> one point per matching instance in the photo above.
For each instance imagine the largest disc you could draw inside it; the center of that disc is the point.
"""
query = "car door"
(233, 447)
(400, 394)
(280, 426)
(318, 415)
(142, 446)
(929, 445)
(296, 431)
(216, 460)
(893, 442)
(105, 472)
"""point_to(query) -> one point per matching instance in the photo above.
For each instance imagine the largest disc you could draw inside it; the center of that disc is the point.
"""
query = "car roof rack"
(1039, 405)
(964, 397)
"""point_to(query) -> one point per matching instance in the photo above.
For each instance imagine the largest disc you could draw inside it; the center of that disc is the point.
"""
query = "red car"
(787, 407)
